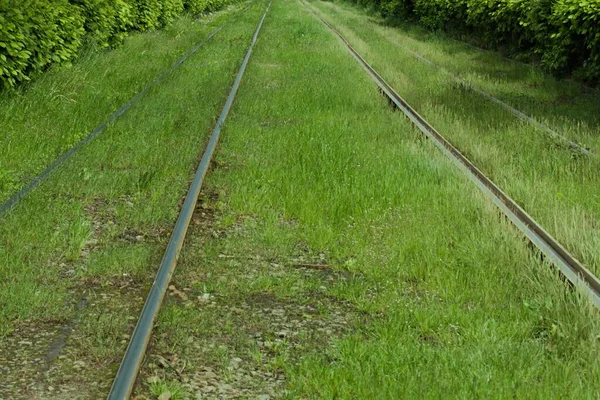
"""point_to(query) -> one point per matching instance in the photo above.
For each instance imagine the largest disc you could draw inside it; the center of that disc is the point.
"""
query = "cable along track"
(568, 265)
(126, 376)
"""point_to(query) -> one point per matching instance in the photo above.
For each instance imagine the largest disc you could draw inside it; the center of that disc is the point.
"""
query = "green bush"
(575, 42)
(195, 7)
(518, 24)
(35, 34)
(146, 14)
(171, 9)
(106, 21)
(441, 14)
(564, 34)
(397, 9)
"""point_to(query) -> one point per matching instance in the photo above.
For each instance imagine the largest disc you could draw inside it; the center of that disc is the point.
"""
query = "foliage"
(171, 9)
(35, 34)
(440, 14)
(195, 7)
(146, 14)
(106, 21)
(563, 33)
(576, 37)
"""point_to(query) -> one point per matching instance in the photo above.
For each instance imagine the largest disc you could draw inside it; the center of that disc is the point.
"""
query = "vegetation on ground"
(82, 250)
(334, 252)
(563, 34)
(553, 183)
(37, 34)
(64, 105)
(337, 254)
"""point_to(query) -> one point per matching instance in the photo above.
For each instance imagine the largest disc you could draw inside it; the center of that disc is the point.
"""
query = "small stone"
(204, 298)
(165, 396)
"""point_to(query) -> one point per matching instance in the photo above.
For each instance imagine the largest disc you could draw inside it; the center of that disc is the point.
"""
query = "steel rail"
(134, 355)
(568, 265)
(38, 179)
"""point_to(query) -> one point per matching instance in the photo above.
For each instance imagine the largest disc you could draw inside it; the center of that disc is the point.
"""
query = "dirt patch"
(70, 359)
(265, 334)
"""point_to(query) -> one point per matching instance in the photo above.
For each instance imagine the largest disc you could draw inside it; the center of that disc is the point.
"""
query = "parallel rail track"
(41, 177)
(568, 265)
(124, 381)
(514, 111)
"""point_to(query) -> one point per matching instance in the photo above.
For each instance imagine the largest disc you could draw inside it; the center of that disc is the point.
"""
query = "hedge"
(35, 34)
(563, 34)
(106, 21)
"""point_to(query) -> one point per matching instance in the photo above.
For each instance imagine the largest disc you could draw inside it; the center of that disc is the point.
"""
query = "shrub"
(146, 14)
(565, 34)
(171, 9)
(519, 24)
(441, 14)
(106, 21)
(195, 7)
(575, 44)
(397, 9)
(35, 34)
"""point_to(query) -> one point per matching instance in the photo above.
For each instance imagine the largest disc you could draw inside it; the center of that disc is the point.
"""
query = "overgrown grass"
(565, 105)
(96, 229)
(107, 213)
(445, 297)
(549, 180)
(46, 118)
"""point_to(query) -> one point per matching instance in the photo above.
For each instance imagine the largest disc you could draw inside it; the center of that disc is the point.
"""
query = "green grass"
(96, 229)
(125, 184)
(564, 105)
(44, 119)
(440, 297)
(554, 184)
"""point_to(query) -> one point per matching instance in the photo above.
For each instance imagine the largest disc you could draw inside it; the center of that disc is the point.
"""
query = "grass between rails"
(336, 254)
(97, 228)
(566, 106)
(554, 185)
(63, 106)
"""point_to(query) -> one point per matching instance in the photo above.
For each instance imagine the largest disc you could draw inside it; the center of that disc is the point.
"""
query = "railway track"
(567, 264)
(126, 376)
(574, 146)
(42, 176)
